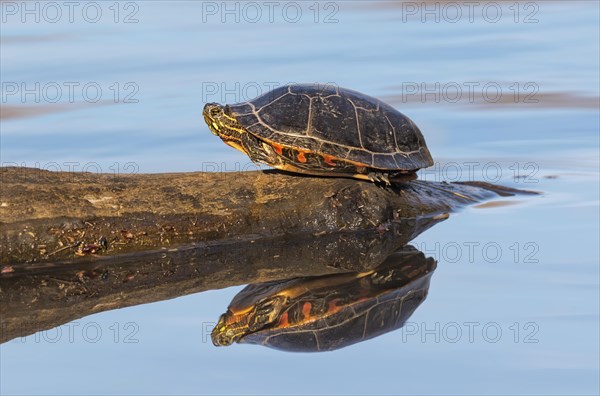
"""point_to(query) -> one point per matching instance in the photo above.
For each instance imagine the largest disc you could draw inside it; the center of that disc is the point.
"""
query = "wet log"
(48, 217)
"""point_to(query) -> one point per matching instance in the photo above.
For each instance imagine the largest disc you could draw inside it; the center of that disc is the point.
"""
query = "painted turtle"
(324, 313)
(322, 130)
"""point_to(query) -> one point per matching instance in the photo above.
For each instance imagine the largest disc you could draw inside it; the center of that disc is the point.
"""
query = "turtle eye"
(215, 111)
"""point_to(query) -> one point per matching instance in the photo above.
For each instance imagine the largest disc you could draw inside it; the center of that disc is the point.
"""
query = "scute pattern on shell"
(362, 321)
(335, 121)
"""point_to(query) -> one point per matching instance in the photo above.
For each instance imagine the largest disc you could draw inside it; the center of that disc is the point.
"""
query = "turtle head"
(219, 120)
(222, 122)
(233, 326)
(229, 329)
(213, 116)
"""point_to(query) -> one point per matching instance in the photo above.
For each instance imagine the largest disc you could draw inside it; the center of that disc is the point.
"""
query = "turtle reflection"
(324, 313)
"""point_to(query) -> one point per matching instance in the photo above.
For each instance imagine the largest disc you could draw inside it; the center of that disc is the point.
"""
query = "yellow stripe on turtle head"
(229, 117)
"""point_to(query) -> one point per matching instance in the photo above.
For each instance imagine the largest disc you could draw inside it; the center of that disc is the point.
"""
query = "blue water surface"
(513, 307)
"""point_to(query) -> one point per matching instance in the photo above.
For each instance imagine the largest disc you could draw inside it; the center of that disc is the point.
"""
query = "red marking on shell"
(329, 160)
(306, 309)
(301, 157)
(278, 148)
(332, 307)
(283, 320)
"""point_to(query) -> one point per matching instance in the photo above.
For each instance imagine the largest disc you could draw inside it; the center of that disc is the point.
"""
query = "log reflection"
(54, 294)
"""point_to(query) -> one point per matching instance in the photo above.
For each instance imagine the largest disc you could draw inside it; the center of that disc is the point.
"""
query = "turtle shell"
(338, 310)
(336, 122)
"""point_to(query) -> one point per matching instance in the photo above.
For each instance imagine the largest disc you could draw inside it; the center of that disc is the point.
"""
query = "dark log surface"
(50, 216)
(78, 243)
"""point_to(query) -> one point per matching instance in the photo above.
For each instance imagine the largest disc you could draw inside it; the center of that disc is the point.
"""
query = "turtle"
(323, 130)
(328, 312)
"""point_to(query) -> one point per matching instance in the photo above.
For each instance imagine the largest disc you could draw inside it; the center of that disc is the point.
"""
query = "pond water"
(504, 92)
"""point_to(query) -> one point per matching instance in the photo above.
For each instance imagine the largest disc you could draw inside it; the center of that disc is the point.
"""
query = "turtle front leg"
(259, 151)
(265, 312)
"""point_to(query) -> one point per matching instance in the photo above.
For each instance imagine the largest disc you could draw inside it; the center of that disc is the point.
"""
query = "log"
(52, 216)
(74, 244)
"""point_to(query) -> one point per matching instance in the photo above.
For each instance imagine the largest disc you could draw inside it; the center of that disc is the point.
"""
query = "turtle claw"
(379, 178)
(381, 278)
